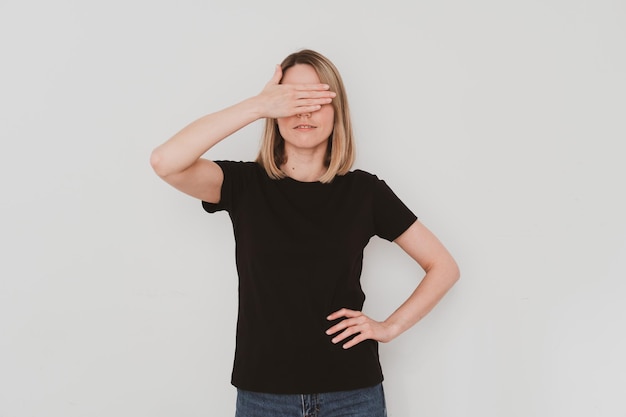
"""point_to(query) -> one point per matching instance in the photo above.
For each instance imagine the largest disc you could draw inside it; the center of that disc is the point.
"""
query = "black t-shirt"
(299, 253)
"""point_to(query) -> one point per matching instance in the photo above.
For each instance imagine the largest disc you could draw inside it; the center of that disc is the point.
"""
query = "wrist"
(254, 107)
(394, 329)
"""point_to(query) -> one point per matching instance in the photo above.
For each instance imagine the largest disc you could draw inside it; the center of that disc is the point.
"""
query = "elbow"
(158, 164)
(456, 272)
(453, 268)
(446, 269)
(450, 271)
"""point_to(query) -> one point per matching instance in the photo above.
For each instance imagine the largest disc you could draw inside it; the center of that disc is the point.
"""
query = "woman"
(301, 220)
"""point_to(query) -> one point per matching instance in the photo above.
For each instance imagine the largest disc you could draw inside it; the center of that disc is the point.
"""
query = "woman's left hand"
(357, 323)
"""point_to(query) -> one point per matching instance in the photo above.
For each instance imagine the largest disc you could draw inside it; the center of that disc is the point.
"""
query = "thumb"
(278, 74)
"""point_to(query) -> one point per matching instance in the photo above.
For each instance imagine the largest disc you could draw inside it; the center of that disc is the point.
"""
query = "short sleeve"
(235, 180)
(391, 216)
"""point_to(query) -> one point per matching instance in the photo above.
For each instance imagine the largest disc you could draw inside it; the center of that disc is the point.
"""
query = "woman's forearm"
(426, 296)
(186, 146)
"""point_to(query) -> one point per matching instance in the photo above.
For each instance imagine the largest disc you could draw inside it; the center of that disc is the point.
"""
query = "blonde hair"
(340, 153)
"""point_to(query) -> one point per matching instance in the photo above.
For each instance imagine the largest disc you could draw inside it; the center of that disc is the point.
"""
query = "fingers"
(306, 97)
(324, 88)
(349, 327)
(327, 96)
(283, 100)
(278, 75)
(355, 341)
(344, 312)
(355, 324)
(308, 102)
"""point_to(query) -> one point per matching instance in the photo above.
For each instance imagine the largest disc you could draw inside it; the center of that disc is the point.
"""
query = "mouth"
(303, 126)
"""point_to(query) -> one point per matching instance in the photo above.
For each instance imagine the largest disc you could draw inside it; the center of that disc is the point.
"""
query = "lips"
(303, 126)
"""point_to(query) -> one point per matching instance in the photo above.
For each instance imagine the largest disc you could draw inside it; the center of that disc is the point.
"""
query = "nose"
(303, 115)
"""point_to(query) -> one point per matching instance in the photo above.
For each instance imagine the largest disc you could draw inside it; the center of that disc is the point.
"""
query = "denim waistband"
(363, 402)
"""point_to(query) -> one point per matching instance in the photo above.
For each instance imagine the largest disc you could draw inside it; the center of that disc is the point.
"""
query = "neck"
(304, 168)
(303, 173)
(305, 164)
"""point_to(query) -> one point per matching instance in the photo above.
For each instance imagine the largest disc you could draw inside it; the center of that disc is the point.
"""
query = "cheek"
(327, 114)
(281, 126)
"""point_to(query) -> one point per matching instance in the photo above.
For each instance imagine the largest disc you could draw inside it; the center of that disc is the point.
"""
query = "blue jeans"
(365, 402)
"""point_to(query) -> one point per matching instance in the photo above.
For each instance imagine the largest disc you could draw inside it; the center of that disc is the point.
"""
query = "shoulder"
(359, 176)
(237, 165)
(239, 177)
(369, 183)
(240, 168)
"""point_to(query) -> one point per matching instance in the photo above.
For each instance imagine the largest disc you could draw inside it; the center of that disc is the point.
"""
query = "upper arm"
(202, 180)
(426, 249)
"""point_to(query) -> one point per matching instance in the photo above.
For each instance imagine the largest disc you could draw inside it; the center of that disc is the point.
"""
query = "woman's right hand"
(284, 100)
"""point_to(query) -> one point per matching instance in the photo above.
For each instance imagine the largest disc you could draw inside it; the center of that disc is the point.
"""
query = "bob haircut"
(340, 153)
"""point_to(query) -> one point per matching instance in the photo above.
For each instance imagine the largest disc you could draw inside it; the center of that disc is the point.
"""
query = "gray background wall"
(498, 122)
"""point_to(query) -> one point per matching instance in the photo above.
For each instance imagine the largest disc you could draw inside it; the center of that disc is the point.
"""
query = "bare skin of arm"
(179, 160)
(441, 274)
